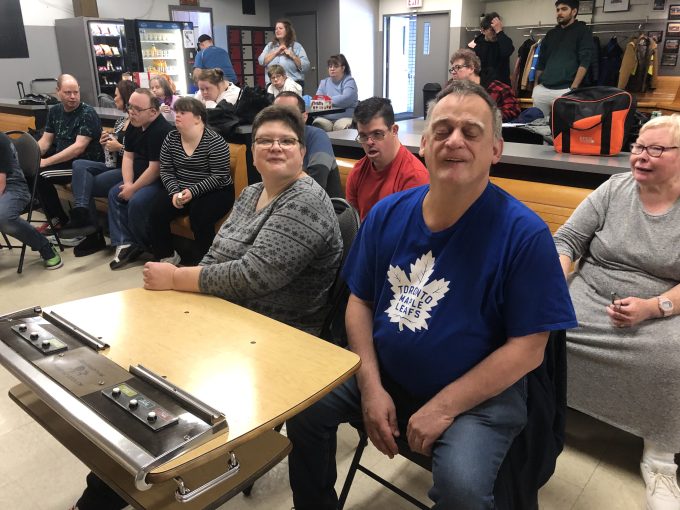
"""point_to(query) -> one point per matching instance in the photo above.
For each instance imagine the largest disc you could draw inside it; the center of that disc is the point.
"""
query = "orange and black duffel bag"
(594, 121)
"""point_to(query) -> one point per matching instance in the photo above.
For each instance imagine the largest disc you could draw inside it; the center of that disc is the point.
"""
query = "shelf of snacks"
(105, 50)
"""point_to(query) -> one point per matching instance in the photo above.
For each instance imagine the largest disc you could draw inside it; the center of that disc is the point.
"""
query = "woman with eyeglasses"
(280, 248)
(285, 51)
(213, 88)
(92, 179)
(195, 175)
(342, 89)
(624, 358)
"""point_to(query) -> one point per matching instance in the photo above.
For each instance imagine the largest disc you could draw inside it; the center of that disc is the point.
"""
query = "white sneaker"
(174, 259)
(66, 241)
(663, 492)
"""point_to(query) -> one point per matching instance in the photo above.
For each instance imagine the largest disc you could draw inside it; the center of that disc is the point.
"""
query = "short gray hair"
(670, 122)
(468, 88)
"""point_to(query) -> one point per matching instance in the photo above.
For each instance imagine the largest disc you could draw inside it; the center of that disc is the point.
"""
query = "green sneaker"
(55, 261)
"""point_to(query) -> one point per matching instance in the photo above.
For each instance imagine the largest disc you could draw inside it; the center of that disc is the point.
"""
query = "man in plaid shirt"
(465, 65)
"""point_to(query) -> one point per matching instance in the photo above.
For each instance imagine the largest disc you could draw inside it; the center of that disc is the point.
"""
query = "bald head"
(68, 91)
(66, 78)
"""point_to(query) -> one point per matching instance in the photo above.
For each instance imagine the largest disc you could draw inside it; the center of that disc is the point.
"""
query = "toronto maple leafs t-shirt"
(443, 301)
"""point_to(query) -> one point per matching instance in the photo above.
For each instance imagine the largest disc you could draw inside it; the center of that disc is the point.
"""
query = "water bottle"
(109, 157)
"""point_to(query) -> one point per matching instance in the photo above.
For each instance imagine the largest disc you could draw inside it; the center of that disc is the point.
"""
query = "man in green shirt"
(564, 56)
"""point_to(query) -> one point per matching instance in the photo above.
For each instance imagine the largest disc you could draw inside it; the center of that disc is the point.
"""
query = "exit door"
(416, 53)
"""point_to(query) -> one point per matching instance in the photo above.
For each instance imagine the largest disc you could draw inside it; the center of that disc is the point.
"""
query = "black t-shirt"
(147, 143)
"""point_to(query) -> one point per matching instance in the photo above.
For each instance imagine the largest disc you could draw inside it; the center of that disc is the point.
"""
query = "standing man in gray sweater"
(564, 57)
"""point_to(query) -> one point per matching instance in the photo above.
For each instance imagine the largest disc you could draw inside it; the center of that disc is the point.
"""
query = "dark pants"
(49, 199)
(203, 211)
(465, 459)
(99, 496)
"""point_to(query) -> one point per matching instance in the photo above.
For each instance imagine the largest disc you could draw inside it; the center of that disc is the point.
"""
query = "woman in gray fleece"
(280, 249)
(624, 358)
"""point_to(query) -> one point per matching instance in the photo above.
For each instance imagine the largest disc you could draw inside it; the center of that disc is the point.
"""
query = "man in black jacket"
(493, 48)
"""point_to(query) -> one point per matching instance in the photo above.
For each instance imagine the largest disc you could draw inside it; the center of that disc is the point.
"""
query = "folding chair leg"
(21, 258)
(363, 441)
(393, 488)
(9, 245)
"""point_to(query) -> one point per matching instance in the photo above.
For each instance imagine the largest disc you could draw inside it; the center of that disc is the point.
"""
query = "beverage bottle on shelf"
(154, 51)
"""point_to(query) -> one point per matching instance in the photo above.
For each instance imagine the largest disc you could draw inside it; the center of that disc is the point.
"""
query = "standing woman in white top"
(285, 51)
(213, 87)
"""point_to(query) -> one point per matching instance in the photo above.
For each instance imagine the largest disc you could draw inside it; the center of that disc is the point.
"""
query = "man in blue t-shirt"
(211, 57)
(455, 287)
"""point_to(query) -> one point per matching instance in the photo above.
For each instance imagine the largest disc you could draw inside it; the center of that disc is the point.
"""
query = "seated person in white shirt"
(280, 82)
(213, 87)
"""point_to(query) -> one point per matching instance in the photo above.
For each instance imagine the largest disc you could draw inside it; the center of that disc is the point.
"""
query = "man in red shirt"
(388, 166)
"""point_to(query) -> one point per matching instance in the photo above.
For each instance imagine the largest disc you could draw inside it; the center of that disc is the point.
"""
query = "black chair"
(333, 329)
(530, 462)
(28, 153)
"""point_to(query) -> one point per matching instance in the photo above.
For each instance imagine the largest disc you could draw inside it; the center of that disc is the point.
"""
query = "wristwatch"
(665, 305)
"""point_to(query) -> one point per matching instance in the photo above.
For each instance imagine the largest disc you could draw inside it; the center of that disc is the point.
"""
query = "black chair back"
(333, 328)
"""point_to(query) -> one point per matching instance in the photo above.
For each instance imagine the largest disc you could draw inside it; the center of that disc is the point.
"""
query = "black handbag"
(223, 119)
(251, 101)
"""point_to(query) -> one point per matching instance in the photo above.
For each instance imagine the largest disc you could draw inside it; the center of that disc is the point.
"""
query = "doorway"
(416, 53)
(306, 30)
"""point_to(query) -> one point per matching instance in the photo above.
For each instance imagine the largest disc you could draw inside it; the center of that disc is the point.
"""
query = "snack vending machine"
(92, 50)
(166, 47)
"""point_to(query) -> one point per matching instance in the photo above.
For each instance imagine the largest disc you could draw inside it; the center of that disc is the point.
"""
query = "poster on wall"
(673, 12)
(615, 5)
(671, 45)
(656, 35)
(669, 59)
(585, 7)
(673, 30)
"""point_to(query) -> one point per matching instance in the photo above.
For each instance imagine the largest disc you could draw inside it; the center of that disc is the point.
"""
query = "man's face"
(290, 102)
(489, 34)
(69, 94)
(140, 110)
(565, 14)
(203, 45)
(458, 145)
(381, 141)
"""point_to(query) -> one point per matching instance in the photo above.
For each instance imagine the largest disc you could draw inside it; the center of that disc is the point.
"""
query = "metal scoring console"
(136, 416)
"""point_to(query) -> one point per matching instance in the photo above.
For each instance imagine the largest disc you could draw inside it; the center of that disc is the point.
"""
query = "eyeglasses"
(655, 151)
(137, 109)
(334, 66)
(376, 136)
(268, 143)
(457, 67)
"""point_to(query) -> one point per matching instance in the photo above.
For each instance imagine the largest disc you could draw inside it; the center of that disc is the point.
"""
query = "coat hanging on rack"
(640, 64)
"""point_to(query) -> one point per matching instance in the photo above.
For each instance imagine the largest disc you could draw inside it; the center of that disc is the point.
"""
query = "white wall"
(359, 17)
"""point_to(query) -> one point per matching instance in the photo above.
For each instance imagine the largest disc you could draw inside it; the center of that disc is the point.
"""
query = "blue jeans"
(465, 459)
(13, 201)
(129, 222)
(92, 179)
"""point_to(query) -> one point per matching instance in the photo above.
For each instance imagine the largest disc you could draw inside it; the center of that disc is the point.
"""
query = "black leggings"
(203, 211)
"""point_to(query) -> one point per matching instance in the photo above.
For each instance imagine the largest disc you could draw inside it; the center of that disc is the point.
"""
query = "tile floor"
(598, 469)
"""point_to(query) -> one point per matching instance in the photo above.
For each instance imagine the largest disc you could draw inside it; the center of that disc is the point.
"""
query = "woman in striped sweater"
(195, 173)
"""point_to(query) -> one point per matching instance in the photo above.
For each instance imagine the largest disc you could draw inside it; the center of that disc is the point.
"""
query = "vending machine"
(92, 50)
(166, 47)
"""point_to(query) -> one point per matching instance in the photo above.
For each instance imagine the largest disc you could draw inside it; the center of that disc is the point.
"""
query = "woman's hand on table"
(158, 275)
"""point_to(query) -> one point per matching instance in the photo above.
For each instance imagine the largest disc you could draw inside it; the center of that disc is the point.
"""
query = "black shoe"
(80, 225)
(91, 244)
(126, 255)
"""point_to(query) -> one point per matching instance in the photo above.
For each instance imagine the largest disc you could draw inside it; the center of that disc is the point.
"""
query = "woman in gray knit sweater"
(624, 358)
(280, 249)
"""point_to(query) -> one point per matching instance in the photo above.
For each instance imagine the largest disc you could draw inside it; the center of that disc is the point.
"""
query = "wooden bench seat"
(182, 226)
(552, 202)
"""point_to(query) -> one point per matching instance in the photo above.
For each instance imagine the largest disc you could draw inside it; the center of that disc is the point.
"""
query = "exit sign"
(414, 3)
